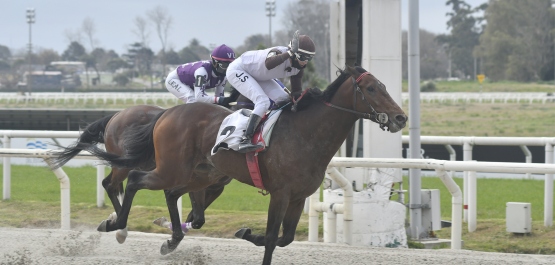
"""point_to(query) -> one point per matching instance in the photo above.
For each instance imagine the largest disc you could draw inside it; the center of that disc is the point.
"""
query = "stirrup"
(248, 147)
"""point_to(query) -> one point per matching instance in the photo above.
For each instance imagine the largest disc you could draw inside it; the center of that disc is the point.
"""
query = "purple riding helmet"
(222, 56)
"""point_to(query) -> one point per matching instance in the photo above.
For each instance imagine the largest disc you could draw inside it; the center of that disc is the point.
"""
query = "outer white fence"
(154, 98)
(92, 98)
(468, 142)
(440, 166)
(484, 97)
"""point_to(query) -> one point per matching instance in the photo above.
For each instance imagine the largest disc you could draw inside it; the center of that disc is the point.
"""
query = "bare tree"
(162, 22)
(73, 36)
(141, 30)
(89, 29)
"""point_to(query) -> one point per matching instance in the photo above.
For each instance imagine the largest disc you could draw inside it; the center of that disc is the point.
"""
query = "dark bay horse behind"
(302, 145)
(109, 131)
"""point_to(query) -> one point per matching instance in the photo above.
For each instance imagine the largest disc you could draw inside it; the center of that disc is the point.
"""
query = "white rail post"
(6, 172)
(180, 208)
(452, 156)
(472, 201)
(347, 203)
(528, 157)
(456, 208)
(548, 196)
(331, 227)
(100, 169)
(467, 156)
(64, 195)
(313, 217)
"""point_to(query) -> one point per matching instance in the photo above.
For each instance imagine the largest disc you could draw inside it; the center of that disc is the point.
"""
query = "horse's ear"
(351, 70)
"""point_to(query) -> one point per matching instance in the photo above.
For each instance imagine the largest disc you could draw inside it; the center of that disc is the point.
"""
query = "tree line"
(140, 60)
(503, 39)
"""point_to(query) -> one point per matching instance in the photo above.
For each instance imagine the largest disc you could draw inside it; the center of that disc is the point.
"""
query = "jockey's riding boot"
(246, 146)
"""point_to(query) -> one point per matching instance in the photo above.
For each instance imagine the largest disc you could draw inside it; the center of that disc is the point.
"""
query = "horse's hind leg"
(136, 180)
(114, 188)
(290, 222)
(177, 232)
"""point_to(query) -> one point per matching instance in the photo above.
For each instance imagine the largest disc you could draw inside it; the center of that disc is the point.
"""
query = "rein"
(380, 118)
(294, 107)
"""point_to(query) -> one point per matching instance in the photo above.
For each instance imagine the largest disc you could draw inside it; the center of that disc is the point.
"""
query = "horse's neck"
(324, 127)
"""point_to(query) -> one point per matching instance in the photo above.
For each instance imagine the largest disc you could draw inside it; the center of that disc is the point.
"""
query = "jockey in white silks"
(254, 74)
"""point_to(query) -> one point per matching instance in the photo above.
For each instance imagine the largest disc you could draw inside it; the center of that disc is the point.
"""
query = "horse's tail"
(92, 135)
(139, 147)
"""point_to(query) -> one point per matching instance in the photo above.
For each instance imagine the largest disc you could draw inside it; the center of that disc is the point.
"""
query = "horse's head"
(372, 101)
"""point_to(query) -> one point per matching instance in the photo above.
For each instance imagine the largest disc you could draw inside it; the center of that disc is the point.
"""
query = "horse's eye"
(370, 88)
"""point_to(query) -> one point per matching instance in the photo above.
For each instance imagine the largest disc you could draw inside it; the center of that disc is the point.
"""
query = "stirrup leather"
(246, 145)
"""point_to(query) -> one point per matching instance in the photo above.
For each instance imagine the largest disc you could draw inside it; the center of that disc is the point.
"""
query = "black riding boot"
(246, 146)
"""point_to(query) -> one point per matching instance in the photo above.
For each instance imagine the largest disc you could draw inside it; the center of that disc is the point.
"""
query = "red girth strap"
(252, 163)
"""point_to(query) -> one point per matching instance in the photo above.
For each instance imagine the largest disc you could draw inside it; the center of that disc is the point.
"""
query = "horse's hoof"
(242, 233)
(121, 235)
(102, 226)
(165, 249)
(163, 222)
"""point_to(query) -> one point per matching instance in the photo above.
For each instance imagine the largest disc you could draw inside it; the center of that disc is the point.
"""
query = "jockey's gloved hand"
(295, 42)
(224, 101)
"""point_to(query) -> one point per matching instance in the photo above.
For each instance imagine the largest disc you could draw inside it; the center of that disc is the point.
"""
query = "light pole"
(30, 20)
(270, 12)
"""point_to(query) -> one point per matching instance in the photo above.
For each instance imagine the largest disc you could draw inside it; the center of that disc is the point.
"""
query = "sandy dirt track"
(55, 246)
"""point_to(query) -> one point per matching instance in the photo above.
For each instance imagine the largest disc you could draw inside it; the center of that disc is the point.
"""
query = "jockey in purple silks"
(254, 74)
(189, 81)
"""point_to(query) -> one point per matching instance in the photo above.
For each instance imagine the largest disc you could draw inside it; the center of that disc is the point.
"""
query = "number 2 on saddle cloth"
(230, 133)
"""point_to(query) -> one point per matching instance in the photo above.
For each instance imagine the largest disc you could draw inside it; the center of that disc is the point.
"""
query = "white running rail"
(484, 97)
(79, 99)
(111, 98)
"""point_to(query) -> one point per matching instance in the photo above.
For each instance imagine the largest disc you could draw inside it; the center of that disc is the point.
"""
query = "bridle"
(373, 115)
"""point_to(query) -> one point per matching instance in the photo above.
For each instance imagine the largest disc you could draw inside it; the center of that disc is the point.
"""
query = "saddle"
(234, 125)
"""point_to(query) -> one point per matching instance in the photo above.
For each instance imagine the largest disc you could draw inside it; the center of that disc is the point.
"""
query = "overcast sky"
(210, 21)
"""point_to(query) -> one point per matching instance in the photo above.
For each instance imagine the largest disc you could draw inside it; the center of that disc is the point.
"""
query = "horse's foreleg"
(177, 232)
(134, 183)
(276, 212)
(209, 195)
(290, 222)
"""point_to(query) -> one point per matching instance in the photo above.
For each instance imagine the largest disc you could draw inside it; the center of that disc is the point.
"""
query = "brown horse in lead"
(302, 145)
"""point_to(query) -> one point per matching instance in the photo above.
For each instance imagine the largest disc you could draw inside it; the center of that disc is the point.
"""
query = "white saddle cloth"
(234, 126)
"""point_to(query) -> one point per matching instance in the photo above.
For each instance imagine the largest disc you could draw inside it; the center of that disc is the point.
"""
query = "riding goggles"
(222, 64)
(304, 57)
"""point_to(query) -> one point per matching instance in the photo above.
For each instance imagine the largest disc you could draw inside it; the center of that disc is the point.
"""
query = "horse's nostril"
(401, 118)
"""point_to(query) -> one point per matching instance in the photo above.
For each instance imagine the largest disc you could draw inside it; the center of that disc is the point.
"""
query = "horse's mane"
(316, 94)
